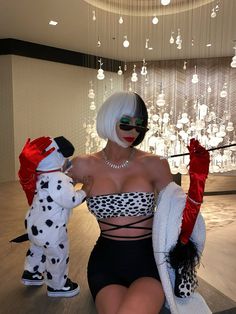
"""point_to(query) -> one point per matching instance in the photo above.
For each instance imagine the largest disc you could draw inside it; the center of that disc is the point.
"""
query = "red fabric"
(198, 171)
(31, 155)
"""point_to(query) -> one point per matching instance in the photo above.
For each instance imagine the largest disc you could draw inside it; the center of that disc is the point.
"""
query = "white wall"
(46, 98)
(7, 159)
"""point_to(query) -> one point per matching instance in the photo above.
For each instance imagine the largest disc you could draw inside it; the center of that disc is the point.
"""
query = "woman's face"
(128, 128)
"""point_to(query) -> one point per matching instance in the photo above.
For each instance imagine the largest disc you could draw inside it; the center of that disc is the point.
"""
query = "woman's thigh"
(110, 298)
(145, 295)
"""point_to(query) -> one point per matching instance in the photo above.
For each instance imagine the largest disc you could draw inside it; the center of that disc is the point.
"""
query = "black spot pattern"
(49, 199)
(49, 222)
(122, 204)
(34, 230)
(43, 259)
(49, 276)
(36, 268)
(61, 246)
(73, 199)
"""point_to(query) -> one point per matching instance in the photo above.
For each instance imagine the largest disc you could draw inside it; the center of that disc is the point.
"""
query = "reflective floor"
(217, 273)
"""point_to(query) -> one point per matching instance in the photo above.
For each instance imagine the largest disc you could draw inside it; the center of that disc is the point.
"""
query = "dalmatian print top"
(122, 204)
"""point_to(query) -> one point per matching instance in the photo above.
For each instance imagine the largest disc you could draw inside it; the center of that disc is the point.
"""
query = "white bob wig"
(116, 106)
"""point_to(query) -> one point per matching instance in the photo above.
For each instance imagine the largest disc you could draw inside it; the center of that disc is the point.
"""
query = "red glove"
(31, 155)
(198, 171)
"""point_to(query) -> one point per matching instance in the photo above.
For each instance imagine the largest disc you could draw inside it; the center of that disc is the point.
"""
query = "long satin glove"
(198, 172)
(31, 155)
(184, 257)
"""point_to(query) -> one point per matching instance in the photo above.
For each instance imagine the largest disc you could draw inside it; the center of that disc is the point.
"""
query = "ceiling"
(28, 20)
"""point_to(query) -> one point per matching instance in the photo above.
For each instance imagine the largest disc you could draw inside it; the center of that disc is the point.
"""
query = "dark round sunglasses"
(128, 127)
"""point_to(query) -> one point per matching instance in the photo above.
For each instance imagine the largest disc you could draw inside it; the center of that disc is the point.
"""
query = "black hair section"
(140, 112)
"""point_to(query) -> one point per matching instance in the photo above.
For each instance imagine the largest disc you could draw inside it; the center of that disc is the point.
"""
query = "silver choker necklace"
(118, 166)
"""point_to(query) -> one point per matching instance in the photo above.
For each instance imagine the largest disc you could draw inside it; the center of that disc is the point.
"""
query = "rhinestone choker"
(118, 166)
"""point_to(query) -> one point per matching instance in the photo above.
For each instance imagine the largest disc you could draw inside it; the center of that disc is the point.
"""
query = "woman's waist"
(126, 228)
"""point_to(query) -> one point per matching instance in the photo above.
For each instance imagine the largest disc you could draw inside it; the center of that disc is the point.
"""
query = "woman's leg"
(145, 295)
(109, 299)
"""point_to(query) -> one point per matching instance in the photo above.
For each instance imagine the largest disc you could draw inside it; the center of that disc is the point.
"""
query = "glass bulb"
(223, 94)
(165, 2)
(144, 70)
(134, 77)
(91, 94)
(121, 21)
(125, 42)
(195, 79)
(100, 75)
(213, 13)
(172, 39)
(119, 71)
(155, 20)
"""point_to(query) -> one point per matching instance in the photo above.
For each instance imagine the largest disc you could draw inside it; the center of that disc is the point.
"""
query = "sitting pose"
(51, 195)
(128, 269)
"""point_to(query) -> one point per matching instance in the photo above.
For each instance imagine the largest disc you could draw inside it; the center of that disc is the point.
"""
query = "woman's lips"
(129, 139)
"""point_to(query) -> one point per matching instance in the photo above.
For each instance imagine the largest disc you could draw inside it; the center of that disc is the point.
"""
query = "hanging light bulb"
(192, 42)
(179, 46)
(223, 93)
(213, 13)
(144, 68)
(178, 40)
(92, 106)
(126, 42)
(121, 21)
(172, 40)
(195, 76)
(100, 75)
(99, 43)
(134, 77)
(155, 20)
(209, 88)
(94, 15)
(185, 65)
(161, 98)
(125, 67)
(233, 63)
(146, 43)
(119, 71)
(165, 2)
(91, 93)
(230, 127)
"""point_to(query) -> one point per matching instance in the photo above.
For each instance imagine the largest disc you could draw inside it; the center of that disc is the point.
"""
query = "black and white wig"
(116, 106)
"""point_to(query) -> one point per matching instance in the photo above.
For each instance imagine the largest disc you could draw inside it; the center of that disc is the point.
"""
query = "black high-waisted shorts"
(120, 262)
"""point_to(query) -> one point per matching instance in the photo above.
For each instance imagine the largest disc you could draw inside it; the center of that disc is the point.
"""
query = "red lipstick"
(129, 139)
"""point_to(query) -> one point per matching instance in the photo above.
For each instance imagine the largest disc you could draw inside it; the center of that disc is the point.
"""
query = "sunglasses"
(128, 127)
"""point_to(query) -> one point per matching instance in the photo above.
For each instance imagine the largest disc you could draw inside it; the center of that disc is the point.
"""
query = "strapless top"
(122, 204)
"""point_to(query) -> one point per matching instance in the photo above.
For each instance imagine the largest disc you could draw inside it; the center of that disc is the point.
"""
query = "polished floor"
(217, 274)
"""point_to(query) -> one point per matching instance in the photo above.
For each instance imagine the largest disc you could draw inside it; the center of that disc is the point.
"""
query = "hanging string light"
(233, 63)
(126, 42)
(134, 77)
(119, 72)
(155, 20)
(172, 40)
(144, 68)
(195, 76)
(100, 75)
(94, 15)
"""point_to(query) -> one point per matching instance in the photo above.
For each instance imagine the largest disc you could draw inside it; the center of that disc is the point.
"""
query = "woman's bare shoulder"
(157, 168)
(83, 165)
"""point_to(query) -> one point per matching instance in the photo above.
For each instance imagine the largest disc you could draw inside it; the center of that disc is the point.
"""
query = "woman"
(122, 273)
